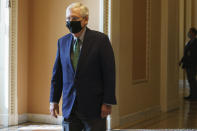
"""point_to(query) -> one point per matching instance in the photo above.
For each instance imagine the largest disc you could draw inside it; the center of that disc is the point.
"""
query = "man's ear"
(86, 20)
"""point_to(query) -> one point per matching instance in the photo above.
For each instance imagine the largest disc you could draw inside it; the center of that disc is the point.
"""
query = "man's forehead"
(73, 12)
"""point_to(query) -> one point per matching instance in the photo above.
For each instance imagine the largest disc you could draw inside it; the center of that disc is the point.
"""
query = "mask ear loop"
(83, 18)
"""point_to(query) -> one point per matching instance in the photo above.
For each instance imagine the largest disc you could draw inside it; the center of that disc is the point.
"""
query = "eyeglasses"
(73, 18)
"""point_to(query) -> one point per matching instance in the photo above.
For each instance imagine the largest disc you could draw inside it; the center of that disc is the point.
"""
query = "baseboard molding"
(13, 119)
(22, 118)
(173, 105)
(10, 120)
(140, 116)
(40, 118)
(4, 119)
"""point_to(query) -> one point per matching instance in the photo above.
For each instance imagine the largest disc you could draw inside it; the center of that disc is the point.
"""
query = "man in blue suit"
(84, 74)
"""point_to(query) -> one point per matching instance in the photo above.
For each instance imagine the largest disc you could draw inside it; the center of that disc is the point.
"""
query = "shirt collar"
(81, 37)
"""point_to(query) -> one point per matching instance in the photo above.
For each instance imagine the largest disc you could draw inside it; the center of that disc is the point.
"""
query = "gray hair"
(83, 9)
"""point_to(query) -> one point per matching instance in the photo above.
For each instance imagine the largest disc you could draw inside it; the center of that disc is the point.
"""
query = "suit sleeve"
(195, 52)
(108, 71)
(56, 81)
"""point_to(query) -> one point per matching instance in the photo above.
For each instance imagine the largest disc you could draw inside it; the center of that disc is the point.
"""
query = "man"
(84, 73)
(189, 63)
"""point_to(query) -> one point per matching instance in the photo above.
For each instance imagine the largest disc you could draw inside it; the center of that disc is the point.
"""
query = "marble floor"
(184, 118)
(33, 127)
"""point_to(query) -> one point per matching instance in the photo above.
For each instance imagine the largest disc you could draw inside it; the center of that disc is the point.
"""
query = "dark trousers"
(78, 122)
(191, 76)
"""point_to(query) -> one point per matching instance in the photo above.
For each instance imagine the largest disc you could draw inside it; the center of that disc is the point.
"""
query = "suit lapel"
(69, 53)
(84, 50)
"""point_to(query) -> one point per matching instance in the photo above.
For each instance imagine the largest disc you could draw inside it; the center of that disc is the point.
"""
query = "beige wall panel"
(125, 57)
(139, 40)
(169, 55)
(181, 34)
(115, 38)
(194, 13)
(188, 16)
(47, 24)
(22, 76)
(173, 47)
(135, 98)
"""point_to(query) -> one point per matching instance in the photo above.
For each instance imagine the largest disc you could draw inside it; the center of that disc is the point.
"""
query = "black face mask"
(74, 26)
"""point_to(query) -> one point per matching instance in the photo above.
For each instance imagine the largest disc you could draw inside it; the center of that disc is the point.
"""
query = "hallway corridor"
(148, 39)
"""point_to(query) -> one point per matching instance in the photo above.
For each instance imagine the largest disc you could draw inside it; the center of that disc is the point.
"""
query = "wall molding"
(148, 37)
(40, 118)
(12, 84)
(22, 118)
(173, 105)
(8, 119)
(148, 44)
(135, 118)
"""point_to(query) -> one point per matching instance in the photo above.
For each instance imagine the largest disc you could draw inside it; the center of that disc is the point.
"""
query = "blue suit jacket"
(93, 83)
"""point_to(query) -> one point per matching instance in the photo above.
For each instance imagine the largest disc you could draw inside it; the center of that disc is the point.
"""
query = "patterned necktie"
(76, 52)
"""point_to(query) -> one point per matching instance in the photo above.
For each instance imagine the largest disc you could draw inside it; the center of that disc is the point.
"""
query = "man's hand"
(105, 110)
(54, 109)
